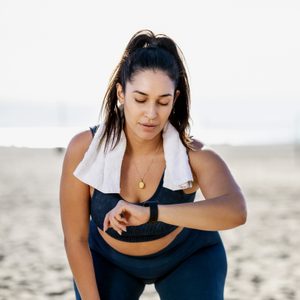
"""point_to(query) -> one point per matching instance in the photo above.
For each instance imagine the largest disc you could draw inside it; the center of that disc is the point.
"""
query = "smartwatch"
(153, 211)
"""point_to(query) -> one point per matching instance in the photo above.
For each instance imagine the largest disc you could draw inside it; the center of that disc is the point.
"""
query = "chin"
(149, 135)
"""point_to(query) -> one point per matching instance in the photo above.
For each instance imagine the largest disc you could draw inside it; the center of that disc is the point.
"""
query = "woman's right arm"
(75, 216)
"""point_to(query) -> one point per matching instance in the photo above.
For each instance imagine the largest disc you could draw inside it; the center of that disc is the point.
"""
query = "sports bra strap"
(94, 129)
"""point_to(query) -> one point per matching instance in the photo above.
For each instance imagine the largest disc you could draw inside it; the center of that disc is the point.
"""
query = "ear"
(177, 93)
(120, 93)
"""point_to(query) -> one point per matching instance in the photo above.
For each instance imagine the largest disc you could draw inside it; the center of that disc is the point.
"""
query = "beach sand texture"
(263, 255)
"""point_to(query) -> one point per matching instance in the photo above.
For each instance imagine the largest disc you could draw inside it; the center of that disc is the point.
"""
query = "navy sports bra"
(102, 203)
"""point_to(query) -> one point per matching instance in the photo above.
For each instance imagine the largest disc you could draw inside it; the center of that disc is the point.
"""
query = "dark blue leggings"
(192, 267)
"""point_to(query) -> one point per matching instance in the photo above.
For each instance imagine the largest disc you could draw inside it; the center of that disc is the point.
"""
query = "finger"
(115, 224)
(105, 223)
(121, 218)
(120, 221)
(121, 215)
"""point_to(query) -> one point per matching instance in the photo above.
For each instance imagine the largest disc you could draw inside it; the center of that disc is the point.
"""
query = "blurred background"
(243, 58)
(56, 58)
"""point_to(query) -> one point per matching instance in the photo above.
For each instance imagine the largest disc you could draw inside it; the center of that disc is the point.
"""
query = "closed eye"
(143, 101)
(139, 101)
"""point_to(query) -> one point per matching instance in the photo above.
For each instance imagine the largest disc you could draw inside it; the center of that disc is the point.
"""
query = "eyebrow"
(144, 94)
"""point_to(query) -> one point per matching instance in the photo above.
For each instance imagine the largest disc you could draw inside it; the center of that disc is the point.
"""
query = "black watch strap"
(153, 211)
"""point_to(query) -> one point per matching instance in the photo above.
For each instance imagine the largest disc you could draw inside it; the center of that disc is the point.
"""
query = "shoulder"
(213, 175)
(80, 141)
(204, 158)
(78, 145)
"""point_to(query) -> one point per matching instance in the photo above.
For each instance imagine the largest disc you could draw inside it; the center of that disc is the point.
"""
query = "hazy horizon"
(242, 56)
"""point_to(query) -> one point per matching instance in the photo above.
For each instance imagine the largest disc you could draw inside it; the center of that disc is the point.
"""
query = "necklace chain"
(141, 184)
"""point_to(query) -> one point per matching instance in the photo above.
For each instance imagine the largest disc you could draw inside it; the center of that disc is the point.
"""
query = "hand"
(126, 214)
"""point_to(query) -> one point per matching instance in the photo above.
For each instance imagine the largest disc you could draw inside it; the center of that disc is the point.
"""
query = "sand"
(263, 256)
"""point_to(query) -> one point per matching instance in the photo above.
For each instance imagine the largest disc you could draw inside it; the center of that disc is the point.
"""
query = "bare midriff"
(140, 248)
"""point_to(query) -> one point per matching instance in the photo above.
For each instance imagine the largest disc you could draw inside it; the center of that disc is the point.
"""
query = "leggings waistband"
(151, 266)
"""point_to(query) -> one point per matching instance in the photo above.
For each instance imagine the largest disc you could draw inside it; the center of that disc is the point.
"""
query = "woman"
(136, 174)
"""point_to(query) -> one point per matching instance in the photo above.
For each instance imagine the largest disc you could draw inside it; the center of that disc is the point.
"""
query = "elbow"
(241, 213)
(237, 219)
(242, 218)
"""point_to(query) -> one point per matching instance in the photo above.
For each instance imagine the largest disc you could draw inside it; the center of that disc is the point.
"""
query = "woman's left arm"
(224, 206)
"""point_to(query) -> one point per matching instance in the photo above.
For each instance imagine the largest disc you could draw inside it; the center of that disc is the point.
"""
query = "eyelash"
(138, 101)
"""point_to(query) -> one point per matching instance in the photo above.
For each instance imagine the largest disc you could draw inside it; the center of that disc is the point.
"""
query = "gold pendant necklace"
(141, 183)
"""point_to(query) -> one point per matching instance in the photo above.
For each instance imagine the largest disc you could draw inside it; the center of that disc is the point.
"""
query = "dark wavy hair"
(145, 51)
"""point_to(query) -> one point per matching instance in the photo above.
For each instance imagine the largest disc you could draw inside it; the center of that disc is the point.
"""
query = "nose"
(151, 112)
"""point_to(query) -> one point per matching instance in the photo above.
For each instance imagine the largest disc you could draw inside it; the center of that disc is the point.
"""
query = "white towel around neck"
(103, 170)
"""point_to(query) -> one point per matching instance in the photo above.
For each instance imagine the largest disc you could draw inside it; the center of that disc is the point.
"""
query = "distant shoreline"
(263, 151)
(52, 137)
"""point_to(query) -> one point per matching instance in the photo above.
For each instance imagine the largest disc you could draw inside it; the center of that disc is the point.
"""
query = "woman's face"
(148, 102)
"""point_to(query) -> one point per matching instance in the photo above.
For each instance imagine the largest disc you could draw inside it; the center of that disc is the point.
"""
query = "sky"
(242, 56)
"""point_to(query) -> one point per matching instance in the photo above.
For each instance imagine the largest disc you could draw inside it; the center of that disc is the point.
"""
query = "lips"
(148, 125)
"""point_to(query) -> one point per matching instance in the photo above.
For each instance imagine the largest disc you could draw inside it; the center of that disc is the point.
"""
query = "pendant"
(141, 184)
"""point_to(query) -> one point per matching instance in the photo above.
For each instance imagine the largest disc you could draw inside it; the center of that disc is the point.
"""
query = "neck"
(140, 147)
